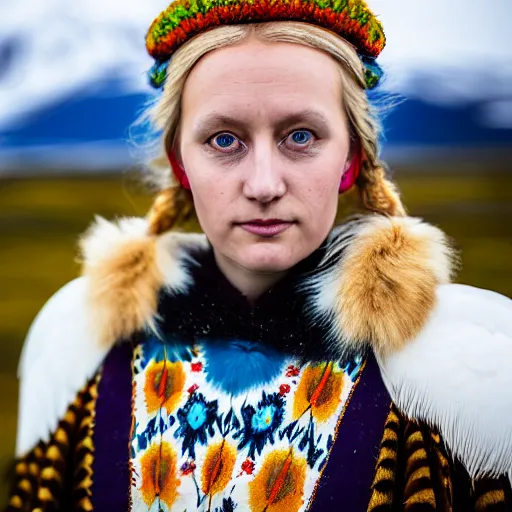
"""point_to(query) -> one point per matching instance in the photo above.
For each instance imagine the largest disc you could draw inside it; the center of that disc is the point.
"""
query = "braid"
(171, 206)
(377, 193)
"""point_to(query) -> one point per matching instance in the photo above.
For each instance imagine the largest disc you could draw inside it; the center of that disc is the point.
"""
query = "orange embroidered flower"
(159, 475)
(319, 389)
(163, 386)
(218, 467)
(279, 484)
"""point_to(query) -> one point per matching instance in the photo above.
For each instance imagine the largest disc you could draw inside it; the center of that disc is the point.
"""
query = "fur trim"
(379, 288)
(126, 268)
(456, 375)
(377, 283)
(383, 288)
(56, 362)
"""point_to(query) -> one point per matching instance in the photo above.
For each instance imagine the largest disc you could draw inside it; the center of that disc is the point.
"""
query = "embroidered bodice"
(229, 410)
(232, 426)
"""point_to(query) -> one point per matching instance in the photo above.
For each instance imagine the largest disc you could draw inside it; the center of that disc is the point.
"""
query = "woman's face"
(264, 142)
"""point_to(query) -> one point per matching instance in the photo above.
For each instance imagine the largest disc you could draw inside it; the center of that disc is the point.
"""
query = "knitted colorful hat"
(183, 19)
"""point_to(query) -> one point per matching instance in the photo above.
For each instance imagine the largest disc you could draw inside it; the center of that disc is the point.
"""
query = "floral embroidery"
(218, 468)
(192, 389)
(188, 467)
(278, 486)
(248, 466)
(196, 446)
(292, 371)
(260, 423)
(163, 387)
(319, 390)
(157, 350)
(196, 422)
(228, 505)
(283, 389)
(159, 475)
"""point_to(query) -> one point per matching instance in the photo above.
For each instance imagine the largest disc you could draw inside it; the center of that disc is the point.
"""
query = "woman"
(275, 363)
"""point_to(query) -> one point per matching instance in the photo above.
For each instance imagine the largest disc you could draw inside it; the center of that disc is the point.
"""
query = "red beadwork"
(283, 389)
(192, 388)
(197, 367)
(248, 466)
(292, 371)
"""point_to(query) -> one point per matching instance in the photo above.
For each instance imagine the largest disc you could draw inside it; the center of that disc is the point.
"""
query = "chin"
(269, 257)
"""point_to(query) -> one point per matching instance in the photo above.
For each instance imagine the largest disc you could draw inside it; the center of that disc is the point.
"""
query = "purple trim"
(347, 478)
(111, 438)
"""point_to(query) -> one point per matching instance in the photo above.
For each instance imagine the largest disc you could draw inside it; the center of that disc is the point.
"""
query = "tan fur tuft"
(124, 279)
(125, 269)
(388, 278)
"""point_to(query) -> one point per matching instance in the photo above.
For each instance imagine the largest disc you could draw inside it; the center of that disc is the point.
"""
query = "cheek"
(213, 193)
(319, 205)
(210, 200)
(317, 188)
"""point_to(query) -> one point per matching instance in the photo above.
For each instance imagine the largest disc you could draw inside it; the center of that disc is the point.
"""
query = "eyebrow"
(209, 122)
(308, 115)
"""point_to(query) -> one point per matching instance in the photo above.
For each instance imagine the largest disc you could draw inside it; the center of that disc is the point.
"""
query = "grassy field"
(40, 220)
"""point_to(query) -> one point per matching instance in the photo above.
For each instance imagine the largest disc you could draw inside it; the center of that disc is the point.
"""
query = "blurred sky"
(444, 52)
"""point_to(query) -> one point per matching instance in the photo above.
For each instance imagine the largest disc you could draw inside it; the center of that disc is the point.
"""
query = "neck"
(250, 283)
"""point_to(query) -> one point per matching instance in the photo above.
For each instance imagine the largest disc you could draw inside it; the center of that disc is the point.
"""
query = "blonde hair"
(376, 192)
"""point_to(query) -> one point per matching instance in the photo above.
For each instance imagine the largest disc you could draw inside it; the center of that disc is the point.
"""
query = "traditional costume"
(363, 381)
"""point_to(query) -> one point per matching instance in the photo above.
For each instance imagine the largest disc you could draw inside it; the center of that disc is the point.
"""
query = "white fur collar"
(456, 375)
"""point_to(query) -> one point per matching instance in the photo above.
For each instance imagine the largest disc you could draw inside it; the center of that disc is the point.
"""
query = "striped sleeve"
(57, 474)
(415, 473)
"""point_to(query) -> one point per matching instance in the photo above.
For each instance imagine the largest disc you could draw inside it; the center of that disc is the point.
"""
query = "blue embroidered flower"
(196, 422)
(263, 418)
(260, 424)
(196, 416)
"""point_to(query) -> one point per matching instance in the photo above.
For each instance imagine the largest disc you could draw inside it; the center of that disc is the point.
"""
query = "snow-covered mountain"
(74, 74)
(50, 48)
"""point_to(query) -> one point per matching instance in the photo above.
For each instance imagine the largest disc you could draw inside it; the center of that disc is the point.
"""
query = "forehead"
(268, 79)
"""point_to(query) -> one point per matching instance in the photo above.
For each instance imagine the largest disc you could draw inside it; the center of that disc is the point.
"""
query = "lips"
(266, 227)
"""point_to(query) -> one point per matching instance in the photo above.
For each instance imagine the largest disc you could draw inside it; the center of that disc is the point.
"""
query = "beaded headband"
(184, 19)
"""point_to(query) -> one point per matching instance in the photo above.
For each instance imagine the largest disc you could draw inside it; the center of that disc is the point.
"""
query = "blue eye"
(224, 140)
(301, 137)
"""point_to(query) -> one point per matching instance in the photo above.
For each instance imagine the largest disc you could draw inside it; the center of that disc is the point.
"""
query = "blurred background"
(72, 80)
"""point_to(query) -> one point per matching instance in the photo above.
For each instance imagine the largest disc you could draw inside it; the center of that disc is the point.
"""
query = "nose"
(264, 181)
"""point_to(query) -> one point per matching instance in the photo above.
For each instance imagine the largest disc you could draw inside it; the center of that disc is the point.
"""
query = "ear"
(176, 148)
(352, 168)
(172, 148)
(177, 168)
